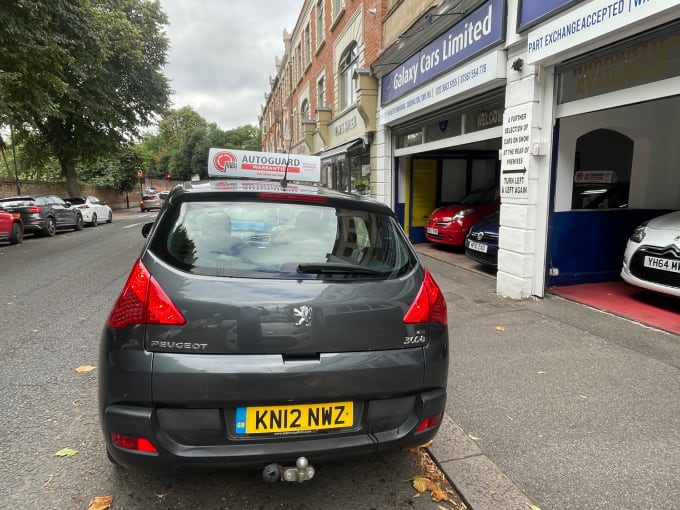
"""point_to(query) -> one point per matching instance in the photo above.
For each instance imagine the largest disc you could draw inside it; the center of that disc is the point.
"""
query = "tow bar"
(302, 471)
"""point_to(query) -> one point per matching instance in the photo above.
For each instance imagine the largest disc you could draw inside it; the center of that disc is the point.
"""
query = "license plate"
(477, 246)
(294, 418)
(432, 231)
(664, 264)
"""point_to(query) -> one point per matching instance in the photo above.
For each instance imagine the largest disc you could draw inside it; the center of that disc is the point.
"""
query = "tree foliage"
(99, 67)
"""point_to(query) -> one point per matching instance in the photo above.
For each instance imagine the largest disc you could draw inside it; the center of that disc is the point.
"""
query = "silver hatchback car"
(272, 327)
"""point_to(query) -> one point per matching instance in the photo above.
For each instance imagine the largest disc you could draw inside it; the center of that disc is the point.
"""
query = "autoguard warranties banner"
(263, 165)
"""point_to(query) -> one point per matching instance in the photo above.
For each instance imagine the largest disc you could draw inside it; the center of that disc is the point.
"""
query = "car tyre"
(110, 218)
(79, 222)
(50, 227)
(17, 235)
(94, 219)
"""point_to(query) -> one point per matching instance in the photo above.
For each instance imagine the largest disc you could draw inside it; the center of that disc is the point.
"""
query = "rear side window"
(275, 240)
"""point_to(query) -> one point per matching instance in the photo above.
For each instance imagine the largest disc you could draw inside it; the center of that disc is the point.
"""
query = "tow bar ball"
(302, 471)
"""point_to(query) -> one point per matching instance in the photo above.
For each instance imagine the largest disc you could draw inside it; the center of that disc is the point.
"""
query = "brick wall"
(113, 198)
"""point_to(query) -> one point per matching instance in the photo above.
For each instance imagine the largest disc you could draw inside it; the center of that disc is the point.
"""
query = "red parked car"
(11, 227)
(449, 224)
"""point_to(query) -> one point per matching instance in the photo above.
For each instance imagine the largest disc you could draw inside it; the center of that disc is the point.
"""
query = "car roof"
(255, 188)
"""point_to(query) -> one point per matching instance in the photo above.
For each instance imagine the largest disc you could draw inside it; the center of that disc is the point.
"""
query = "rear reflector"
(429, 422)
(143, 301)
(429, 305)
(140, 444)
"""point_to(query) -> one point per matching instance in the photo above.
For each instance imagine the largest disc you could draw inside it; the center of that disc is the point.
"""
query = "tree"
(104, 83)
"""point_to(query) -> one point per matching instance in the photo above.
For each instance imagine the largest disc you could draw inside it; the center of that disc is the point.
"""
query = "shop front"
(440, 116)
(616, 100)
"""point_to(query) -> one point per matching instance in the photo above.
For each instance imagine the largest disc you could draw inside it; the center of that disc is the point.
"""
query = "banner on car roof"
(227, 163)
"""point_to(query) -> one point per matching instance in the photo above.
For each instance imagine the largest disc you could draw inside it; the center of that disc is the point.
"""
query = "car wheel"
(17, 235)
(110, 219)
(94, 219)
(50, 227)
(79, 222)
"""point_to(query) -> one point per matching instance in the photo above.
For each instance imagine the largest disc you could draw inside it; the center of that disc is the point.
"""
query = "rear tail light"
(429, 422)
(34, 209)
(140, 444)
(429, 305)
(143, 301)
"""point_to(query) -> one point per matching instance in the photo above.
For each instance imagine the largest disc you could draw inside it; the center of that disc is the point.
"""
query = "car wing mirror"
(146, 229)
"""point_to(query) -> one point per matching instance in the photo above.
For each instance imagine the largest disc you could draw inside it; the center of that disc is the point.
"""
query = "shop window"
(602, 168)
(348, 64)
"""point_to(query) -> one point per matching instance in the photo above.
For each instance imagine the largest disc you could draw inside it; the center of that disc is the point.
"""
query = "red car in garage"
(449, 224)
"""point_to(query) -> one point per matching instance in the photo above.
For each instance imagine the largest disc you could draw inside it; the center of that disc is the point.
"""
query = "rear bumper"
(192, 438)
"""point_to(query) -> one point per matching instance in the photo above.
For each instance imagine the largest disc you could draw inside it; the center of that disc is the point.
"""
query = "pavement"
(554, 405)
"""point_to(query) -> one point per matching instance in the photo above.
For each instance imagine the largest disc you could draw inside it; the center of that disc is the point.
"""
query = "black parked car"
(481, 243)
(44, 214)
(266, 327)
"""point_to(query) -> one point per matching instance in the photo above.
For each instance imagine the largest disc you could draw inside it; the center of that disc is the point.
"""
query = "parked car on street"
(449, 224)
(481, 243)
(11, 227)
(150, 201)
(274, 328)
(652, 256)
(44, 214)
(93, 210)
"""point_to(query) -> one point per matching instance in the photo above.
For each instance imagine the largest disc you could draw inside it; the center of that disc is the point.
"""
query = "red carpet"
(619, 298)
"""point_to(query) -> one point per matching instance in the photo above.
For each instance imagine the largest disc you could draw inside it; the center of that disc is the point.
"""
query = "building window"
(298, 59)
(321, 92)
(319, 23)
(304, 110)
(348, 64)
(338, 6)
(308, 45)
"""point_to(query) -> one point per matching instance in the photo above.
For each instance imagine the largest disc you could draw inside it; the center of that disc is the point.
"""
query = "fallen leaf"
(540, 372)
(438, 495)
(101, 503)
(48, 481)
(473, 437)
(66, 452)
(422, 484)
(534, 507)
(84, 368)
(500, 328)
(583, 396)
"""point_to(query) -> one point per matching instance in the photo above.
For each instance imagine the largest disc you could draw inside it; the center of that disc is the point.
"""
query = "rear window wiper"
(336, 268)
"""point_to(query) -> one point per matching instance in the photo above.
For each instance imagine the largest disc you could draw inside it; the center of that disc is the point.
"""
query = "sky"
(222, 53)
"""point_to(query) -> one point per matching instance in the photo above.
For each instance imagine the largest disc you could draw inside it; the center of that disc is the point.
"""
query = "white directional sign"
(516, 152)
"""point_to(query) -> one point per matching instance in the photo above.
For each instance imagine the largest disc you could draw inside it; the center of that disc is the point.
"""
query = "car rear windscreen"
(281, 240)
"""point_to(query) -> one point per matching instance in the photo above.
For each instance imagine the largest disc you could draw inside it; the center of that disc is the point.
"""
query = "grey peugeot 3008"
(267, 326)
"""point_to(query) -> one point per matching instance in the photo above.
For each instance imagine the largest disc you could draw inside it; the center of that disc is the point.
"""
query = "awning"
(338, 153)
